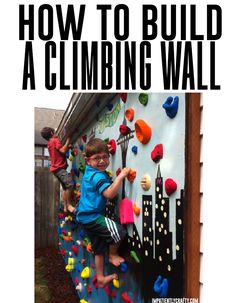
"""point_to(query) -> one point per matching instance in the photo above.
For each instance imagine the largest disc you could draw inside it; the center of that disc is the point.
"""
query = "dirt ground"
(60, 288)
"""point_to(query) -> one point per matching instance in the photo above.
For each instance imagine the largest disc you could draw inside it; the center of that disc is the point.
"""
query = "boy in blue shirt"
(96, 188)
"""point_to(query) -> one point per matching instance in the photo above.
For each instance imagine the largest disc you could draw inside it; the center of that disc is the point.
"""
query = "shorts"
(65, 178)
(103, 232)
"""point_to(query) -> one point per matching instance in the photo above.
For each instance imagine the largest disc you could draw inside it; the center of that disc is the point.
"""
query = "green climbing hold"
(134, 256)
(143, 99)
(81, 167)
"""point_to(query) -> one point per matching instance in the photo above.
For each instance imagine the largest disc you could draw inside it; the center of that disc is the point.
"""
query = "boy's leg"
(113, 256)
(69, 199)
(111, 233)
(67, 184)
(102, 280)
(64, 199)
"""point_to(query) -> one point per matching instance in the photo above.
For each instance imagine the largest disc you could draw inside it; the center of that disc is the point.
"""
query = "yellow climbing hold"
(69, 233)
(116, 283)
(71, 261)
(85, 273)
(83, 301)
(69, 268)
(110, 173)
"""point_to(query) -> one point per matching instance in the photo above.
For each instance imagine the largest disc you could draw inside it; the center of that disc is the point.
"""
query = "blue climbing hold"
(82, 233)
(75, 171)
(81, 147)
(134, 149)
(171, 106)
(161, 286)
(123, 267)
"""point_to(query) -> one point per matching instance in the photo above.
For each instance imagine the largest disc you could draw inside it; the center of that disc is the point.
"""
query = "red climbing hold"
(170, 186)
(125, 297)
(74, 248)
(123, 96)
(124, 130)
(95, 281)
(112, 146)
(89, 289)
(132, 175)
(157, 153)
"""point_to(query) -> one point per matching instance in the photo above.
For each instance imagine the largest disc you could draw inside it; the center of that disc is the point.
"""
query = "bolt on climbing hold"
(79, 287)
(131, 175)
(125, 297)
(123, 266)
(136, 209)
(116, 283)
(134, 256)
(85, 273)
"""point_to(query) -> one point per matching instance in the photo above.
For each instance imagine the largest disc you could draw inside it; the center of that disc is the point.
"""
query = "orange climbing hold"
(136, 209)
(143, 131)
(89, 247)
(129, 114)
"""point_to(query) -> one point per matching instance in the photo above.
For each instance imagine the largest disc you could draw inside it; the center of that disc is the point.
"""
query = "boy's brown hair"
(95, 146)
(46, 132)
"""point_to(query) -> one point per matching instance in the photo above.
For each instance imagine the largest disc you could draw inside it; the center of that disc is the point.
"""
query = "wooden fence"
(47, 194)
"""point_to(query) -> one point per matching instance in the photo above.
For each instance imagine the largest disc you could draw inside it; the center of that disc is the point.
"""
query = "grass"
(42, 292)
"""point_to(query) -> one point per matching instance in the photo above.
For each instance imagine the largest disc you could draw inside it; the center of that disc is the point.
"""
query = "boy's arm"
(111, 191)
(65, 147)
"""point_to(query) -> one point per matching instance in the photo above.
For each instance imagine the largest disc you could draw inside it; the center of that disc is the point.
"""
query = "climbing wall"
(147, 133)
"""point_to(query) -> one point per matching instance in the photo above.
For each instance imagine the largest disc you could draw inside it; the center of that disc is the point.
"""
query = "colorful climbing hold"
(161, 286)
(89, 289)
(112, 146)
(84, 138)
(143, 131)
(134, 149)
(89, 247)
(69, 267)
(118, 171)
(171, 106)
(123, 266)
(125, 297)
(63, 252)
(146, 182)
(71, 261)
(134, 256)
(123, 96)
(85, 273)
(136, 209)
(131, 175)
(126, 211)
(82, 233)
(170, 186)
(157, 153)
(129, 114)
(109, 172)
(74, 248)
(143, 99)
(116, 283)
(79, 287)
(124, 129)
(95, 281)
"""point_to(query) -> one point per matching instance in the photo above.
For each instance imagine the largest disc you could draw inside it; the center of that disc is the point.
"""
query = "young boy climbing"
(57, 153)
(96, 188)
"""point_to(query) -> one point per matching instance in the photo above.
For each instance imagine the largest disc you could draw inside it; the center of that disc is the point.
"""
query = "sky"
(58, 100)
